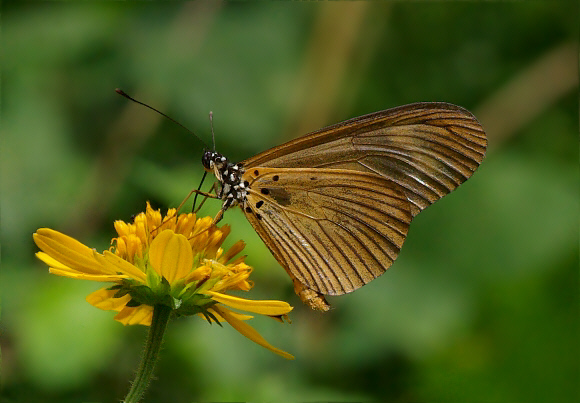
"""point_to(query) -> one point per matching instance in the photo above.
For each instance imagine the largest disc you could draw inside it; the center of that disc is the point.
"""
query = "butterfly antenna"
(123, 93)
(211, 124)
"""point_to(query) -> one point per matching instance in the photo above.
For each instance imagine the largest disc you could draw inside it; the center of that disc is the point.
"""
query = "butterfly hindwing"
(333, 230)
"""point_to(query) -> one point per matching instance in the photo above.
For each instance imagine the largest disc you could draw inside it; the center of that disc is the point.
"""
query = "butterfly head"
(212, 160)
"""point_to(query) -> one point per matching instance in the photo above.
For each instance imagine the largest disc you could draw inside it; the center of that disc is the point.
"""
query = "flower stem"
(153, 345)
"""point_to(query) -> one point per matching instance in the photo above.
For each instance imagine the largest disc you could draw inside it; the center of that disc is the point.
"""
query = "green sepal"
(143, 295)
(184, 293)
(189, 293)
(122, 289)
(121, 292)
(133, 303)
(198, 300)
(210, 316)
(208, 285)
(178, 287)
(153, 278)
(195, 306)
(194, 288)
(197, 260)
(164, 287)
(164, 299)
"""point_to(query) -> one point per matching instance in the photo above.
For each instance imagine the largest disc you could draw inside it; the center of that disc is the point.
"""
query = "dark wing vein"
(371, 239)
(295, 256)
(428, 148)
(389, 222)
(335, 230)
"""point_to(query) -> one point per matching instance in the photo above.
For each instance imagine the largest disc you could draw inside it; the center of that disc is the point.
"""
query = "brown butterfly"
(334, 206)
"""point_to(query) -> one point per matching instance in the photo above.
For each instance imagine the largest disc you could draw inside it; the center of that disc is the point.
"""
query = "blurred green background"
(482, 304)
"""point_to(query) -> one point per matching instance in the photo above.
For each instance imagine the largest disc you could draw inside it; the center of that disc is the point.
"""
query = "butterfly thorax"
(229, 175)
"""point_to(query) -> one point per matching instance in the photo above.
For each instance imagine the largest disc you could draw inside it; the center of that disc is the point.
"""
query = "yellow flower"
(176, 261)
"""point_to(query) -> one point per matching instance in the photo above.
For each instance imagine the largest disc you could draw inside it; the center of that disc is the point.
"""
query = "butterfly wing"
(332, 230)
(427, 148)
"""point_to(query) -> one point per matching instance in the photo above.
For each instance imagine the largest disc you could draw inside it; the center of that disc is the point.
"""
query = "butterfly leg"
(227, 204)
(219, 216)
(196, 191)
(176, 211)
(175, 214)
(206, 196)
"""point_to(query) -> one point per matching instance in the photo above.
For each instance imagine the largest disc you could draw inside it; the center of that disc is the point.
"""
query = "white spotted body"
(233, 190)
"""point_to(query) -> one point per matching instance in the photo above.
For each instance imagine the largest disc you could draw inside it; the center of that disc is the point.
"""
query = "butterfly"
(334, 206)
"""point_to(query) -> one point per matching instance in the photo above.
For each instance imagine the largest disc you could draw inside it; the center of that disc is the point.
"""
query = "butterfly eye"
(206, 160)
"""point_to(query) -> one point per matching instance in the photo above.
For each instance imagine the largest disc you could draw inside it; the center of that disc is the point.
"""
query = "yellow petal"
(198, 274)
(119, 265)
(153, 216)
(248, 331)
(140, 315)
(52, 262)
(103, 299)
(239, 316)
(121, 247)
(57, 268)
(237, 261)
(233, 251)
(185, 224)
(264, 307)
(170, 255)
(141, 231)
(134, 247)
(122, 228)
(201, 225)
(214, 240)
(83, 276)
(67, 251)
(236, 281)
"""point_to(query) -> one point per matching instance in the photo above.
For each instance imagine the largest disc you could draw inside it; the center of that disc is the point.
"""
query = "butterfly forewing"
(427, 148)
(333, 230)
